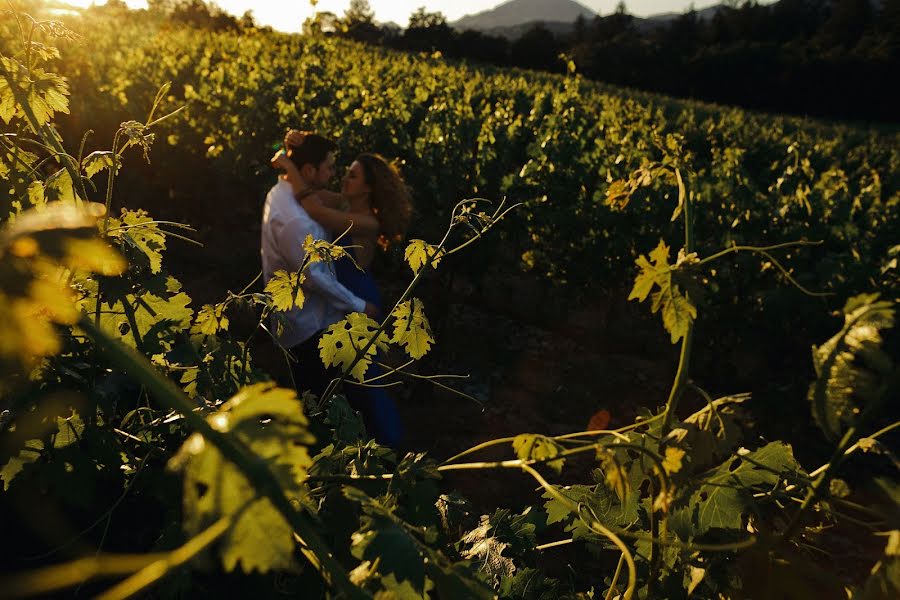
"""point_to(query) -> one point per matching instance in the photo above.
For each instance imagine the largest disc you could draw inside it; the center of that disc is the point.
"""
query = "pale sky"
(287, 15)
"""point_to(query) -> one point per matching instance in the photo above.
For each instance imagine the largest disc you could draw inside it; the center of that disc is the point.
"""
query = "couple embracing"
(374, 203)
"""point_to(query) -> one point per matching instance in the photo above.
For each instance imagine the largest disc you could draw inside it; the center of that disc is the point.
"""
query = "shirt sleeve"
(318, 279)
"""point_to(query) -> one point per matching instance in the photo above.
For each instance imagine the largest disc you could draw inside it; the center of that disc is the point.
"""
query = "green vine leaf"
(853, 371)
(286, 290)
(210, 320)
(418, 253)
(530, 583)
(487, 551)
(46, 93)
(498, 539)
(533, 446)
(136, 230)
(411, 328)
(678, 311)
(97, 161)
(69, 431)
(270, 422)
(322, 251)
(340, 343)
(383, 538)
(722, 498)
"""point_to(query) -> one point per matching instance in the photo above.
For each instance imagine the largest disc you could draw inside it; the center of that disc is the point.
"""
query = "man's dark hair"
(312, 150)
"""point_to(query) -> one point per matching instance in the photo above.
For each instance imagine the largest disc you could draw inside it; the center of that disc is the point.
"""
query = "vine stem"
(684, 359)
(733, 249)
(596, 526)
(855, 446)
(818, 485)
(615, 579)
(568, 436)
(159, 568)
(681, 378)
(57, 577)
(256, 471)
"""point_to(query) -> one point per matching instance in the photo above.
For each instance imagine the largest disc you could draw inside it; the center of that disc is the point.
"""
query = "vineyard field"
(659, 361)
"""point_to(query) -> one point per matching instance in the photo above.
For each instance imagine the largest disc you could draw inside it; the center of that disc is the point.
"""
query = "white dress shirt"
(284, 227)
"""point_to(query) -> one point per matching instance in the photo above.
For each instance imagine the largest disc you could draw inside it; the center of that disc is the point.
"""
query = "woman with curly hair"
(378, 210)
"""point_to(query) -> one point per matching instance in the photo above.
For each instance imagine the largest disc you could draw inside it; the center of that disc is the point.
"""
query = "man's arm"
(318, 279)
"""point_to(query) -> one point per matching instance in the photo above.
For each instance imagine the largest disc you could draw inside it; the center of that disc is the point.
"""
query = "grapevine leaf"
(95, 162)
(137, 230)
(411, 328)
(382, 537)
(44, 92)
(286, 290)
(69, 431)
(531, 584)
(678, 311)
(714, 432)
(7, 98)
(348, 425)
(58, 187)
(27, 455)
(342, 341)
(44, 52)
(726, 494)
(852, 369)
(47, 95)
(270, 422)
(155, 313)
(210, 320)
(414, 478)
(498, 538)
(532, 446)
(36, 194)
(322, 251)
(487, 551)
(601, 501)
(418, 253)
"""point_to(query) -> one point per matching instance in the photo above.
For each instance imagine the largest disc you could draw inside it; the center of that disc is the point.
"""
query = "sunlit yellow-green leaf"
(411, 328)
(97, 161)
(269, 421)
(418, 252)
(677, 309)
(531, 446)
(286, 290)
(210, 319)
(342, 341)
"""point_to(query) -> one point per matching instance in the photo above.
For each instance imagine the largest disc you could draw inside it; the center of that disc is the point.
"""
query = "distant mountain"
(515, 17)
(514, 32)
(515, 13)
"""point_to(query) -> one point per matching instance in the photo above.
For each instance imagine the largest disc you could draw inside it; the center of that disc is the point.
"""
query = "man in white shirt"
(284, 228)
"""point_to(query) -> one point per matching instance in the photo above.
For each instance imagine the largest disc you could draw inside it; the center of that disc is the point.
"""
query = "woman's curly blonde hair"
(389, 197)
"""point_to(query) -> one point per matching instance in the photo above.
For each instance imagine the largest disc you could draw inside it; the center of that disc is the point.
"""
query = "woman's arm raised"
(338, 220)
